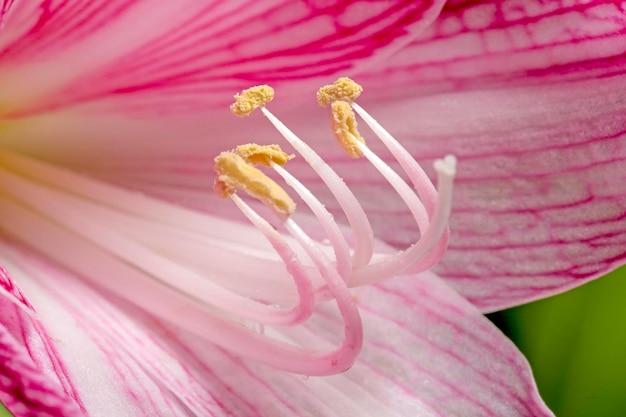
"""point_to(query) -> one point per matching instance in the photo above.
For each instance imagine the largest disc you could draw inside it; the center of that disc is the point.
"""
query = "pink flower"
(114, 303)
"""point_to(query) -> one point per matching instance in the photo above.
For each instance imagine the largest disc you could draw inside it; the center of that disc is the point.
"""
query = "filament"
(335, 237)
(363, 233)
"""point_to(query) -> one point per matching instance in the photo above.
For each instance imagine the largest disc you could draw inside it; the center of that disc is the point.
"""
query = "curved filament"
(363, 233)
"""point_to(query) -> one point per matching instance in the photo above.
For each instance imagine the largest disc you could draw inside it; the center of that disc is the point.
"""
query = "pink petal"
(5, 7)
(190, 54)
(34, 380)
(99, 370)
(511, 42)
(445, 350)
(541, 198)
(428, 352)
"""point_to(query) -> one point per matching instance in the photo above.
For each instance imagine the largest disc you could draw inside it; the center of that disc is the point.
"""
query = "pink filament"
(317, 362)
(335, 237)
(361, 227)
(431, 213)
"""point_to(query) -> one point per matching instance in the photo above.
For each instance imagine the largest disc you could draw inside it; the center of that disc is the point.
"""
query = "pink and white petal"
(150, 56)
(33, 379)
(95, 381)
(428, 353)
(427, 340)
(501, 43)
(540, 194)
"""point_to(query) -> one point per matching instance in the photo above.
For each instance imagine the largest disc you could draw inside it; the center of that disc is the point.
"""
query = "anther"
(343, 89)
(234, 173)
(250, 99)
(345, 128)
(263, 154)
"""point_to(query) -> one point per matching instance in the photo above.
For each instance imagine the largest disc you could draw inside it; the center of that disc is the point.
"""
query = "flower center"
(214, 277)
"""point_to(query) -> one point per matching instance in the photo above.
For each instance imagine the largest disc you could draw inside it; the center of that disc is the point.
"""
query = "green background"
(576, 344)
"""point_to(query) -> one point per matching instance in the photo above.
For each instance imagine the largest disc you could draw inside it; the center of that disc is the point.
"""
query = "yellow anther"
(343, 89)
(344, 126)
(248, 100)
(263, 154)
(235, 174)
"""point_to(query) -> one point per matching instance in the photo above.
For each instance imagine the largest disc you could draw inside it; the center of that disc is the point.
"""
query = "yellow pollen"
(248, 100)
(235, 174)
(343, 89)
(344, 126)
(263, 154)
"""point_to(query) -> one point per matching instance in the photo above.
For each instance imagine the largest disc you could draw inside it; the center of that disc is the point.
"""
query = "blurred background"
(576, 345)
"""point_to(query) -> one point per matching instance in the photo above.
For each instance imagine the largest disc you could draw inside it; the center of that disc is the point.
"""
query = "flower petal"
(509, 42)
(34, 380)
(101, 374)
(5, 7)
(540, 199)
(189, 55)
(540, 194)
(428, 352)
(423, 335)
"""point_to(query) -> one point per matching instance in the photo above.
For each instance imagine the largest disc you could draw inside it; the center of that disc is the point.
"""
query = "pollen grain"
(235, 174)
(263, 154)
(250, 99)
(343, 89)
(344, 125)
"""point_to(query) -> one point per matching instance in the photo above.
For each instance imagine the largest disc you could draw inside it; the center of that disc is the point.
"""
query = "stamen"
(422, 184)
(343, 89)
(327, 221)
(81, 223)
(361, 228)
(320, 363)
(404, 191)
(414, 171)
(78, 233)
(345, 128)
(419, 253)
(420, 210)
(274, 157)
(263, 154)
(234, 173)
(250, 99)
